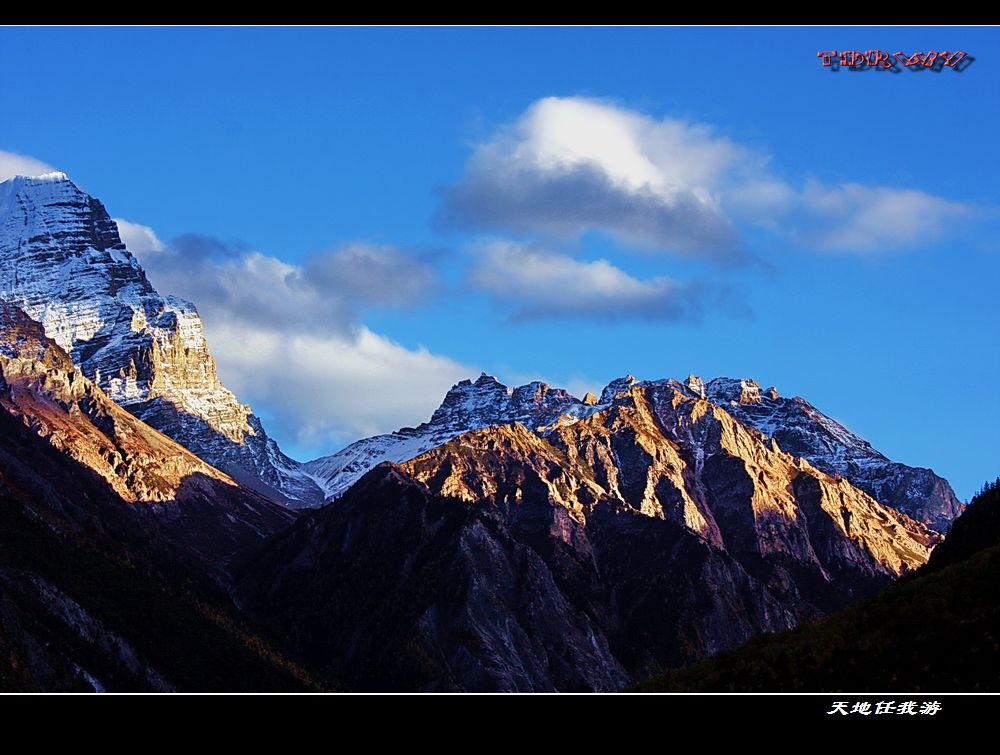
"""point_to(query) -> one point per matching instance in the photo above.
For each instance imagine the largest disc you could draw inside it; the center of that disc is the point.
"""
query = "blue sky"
(365, 215)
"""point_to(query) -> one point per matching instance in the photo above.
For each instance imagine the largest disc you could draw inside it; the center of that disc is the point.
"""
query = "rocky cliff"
(97, 593)
(467, 406)
(63, 263)
(935, 631)
(801, 429)
(176, 494)
(650, 533)
(797, 428)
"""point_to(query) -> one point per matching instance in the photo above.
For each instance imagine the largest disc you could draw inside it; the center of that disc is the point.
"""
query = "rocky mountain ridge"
(467, 406)
(795, 425)
(62, 261)
(641, 537)
(801, 429)
(174, 492)
(933, 632)
(521, 539)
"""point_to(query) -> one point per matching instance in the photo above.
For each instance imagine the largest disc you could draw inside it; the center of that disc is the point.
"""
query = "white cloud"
(328, 390)
(287, 338)
(571, 165)
(12, 164)
(537, 283)
(140, 239)
(760, 200)
(324, 294)
(636, 152)
(853, 217)
(374, 275)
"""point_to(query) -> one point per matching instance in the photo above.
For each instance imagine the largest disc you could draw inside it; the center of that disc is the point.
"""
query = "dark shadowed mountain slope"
(938, 631)
(174, 493)
(978, 528)
(93, 598)
(114, 542)
(396, 588)
(652, 533)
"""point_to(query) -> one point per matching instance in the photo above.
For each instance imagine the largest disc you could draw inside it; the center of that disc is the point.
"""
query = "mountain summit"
(574, 552)
(793, 424)
(467, 406)
(64, 264)
(801, 429)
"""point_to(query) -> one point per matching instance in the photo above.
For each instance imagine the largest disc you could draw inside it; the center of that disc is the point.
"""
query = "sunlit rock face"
(467, 406)
(660, 452)
(174, 493)
(794, 425)
(63, 263)
(803, 430)
(580, 554)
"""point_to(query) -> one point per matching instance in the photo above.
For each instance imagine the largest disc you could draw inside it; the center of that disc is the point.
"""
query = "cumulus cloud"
(289, 338)
(572, 165)
(375, 275)
(12, 164)
(247, 285)
(326, 390)
(536, 283)
(326, 293)
(141, 240)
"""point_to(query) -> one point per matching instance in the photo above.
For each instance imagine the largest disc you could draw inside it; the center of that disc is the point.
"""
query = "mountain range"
(521, 539)
(651, 534)
(795, 424)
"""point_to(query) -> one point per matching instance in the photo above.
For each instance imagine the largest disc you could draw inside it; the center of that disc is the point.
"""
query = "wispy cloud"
(370, 275)
(571, 165)
(324, 390)
(12, 164)
(535, 283)
(290, 337)
(865, 219)
(329, 291)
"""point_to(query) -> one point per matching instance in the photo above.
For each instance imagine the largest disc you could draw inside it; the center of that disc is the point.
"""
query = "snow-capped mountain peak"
(725, 390)
(616, 386)
(467, 406)
(794, 424)
(63, 262)
(801, 429)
